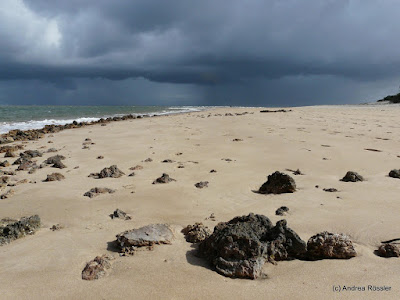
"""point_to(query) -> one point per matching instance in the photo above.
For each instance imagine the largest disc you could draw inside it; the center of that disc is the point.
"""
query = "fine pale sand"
(323, 142)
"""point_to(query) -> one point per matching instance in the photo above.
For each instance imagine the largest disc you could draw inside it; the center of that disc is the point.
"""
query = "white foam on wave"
(33, 124)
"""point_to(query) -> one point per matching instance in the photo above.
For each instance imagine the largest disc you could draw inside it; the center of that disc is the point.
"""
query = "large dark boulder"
(240, 247)
(278, 183)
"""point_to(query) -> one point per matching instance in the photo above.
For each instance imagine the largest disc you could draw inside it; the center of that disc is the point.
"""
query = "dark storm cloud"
(222, 49)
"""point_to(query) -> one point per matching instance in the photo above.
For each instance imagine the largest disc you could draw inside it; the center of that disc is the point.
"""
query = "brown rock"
(98, 190)
(196, 233)
(389, 250)
(54, 177)
(111, 172)
(201, 184)
(330, 245)
(97, 267)
(163, 179)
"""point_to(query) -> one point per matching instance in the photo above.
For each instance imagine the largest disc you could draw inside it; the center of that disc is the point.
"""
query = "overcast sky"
(208, 52)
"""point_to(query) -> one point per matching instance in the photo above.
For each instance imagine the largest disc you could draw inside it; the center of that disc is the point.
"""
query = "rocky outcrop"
(278, 183)
(352, 177)
(111, 172)
(389, 250)
(98, 190)
(11, 229)
(330, 245)
(97, 267)
(54, 177)
(395, 173)
(240, 247)
(163, 179)
(147, 236)
(196, 233)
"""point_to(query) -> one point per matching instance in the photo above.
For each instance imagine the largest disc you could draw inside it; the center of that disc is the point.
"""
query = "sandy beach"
(324, 142)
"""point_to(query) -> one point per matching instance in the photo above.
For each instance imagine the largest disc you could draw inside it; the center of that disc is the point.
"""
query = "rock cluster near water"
(12, 229)
(278, 183)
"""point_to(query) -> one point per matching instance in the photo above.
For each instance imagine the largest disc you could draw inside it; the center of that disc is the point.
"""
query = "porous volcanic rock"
(352, 177)
(330, 245)
(395, 173)
(111, 172)
(54, 177)
(11, 229)
(163, 179)
(196, 233)
(389, 250)
(147, 236)
(98, 190)
(278, 183)
(97, 267)
(240, 247)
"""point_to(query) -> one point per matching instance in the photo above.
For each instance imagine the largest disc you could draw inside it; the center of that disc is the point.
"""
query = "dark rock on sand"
(137, 167)
(28, 154)
(237, 140)
(148, 160)
(201, 184)
(120, 215)
(4, 164)
(4, 179)
(7, 194)
(11, 229)
(213, 171)
(281, 211)
(163, 179)
(278, 183)
(330, 245)
(10, 153)
(26, 164)
(100, 157)
(55, 177)
(97, 267)
(168, 161)
(98, 190)
(147, 236)
(389, 250)
(56, 227)
(330, 190)
(395, 173)
(52, 150)
(352, 177)
(240, 247)
(132, 174)
(54, 159)
(196, 233)
(111, 172)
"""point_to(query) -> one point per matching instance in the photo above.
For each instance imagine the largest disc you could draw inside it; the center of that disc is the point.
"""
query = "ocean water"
(36, 117)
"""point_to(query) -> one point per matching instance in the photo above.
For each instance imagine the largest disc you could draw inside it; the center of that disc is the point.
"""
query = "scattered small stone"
(163, 179)
(211, 217)
(330, 190)
(278, 183)
(373, 150)
(201, 184)
(148, 160)
(97, 267)
(352, 177)
(196, 233)
(395, 173)
(295, 172)
(281, 211)
(7, 194)
(132, 174)
(180, 166)
(167, 161)
(237, 140)
(147, 236)
(179, 153)
(137, 167)
(28, 154)
(317, 186)
(213, 171)
(98, 190)
(389, 250)
(52, 150)
(100, 157)
(120, 215)
(4, 179)
(54, 177)
(330, 245)
(274, 111)
(10, 153)
(111, 172)
(4, 164)
(56, 227)
(11, 229)
(226, 159)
